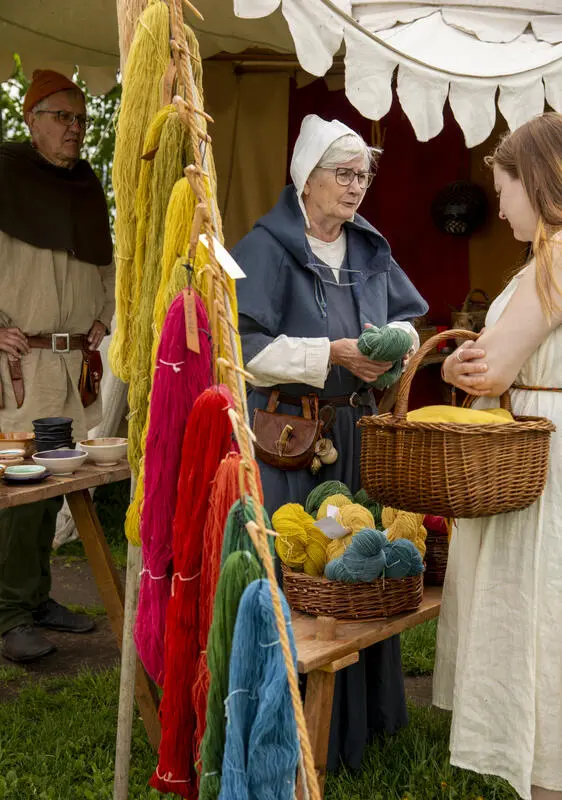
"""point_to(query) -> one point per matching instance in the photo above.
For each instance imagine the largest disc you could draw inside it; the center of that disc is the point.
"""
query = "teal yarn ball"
(385, 344)
(363, 561)
(403, 559)
(321, 492)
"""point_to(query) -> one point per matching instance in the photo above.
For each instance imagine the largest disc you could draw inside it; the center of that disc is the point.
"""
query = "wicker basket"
(363, 601)
(472, 315)
(436, 555)
(450, 469)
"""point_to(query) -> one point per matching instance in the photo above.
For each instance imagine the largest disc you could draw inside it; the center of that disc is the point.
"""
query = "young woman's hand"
(466, 368)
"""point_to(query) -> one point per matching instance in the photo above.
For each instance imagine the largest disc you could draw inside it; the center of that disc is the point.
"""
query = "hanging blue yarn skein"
(403, 559)
(261, 751)
(385, 344)
(363, 561)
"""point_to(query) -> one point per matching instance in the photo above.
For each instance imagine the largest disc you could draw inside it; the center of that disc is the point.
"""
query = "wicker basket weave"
(436, 555)
(450, 469)
(362, 601)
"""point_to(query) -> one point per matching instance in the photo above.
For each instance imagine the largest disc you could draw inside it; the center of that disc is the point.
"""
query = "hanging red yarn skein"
(181, 375)
(207, 440)
(226, 490)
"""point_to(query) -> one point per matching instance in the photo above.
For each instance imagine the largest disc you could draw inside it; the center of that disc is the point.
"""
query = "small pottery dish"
(27, 473)
(20, 440)
(52, 422)
(106, 451)
(60, 462)
(10, 457)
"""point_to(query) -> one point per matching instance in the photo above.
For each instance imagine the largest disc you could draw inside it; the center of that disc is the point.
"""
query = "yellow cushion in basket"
(467, 416)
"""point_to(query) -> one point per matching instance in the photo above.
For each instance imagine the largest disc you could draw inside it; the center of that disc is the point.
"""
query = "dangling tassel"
(180, 378)
(261, 751)
(207, 440)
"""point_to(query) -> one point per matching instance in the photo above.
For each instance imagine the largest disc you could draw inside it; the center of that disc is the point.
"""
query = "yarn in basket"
(362, 562)
(362, 497)
(404, 525)
(402, 559)
(321, 492)
(300, 544)
(338, 500)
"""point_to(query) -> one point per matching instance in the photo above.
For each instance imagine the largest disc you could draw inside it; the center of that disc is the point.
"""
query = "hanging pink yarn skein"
(180, 377)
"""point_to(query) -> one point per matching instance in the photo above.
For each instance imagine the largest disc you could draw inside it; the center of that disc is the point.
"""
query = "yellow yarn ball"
(405, 525)
(300, 544)
(338, 500)
(337, 547)
(355, 517)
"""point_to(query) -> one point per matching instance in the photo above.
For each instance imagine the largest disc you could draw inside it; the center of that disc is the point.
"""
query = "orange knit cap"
(44, 83)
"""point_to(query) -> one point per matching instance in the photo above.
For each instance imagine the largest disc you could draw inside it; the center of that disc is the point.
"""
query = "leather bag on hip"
(90, 377)
(285, 441)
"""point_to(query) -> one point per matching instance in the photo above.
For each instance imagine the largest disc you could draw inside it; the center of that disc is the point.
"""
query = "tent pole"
(128, 672)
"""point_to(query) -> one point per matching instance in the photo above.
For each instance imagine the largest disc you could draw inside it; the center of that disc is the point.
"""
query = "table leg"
(111, 592)
(318, 715)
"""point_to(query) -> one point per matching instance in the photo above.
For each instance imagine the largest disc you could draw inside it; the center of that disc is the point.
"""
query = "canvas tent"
(465, 50)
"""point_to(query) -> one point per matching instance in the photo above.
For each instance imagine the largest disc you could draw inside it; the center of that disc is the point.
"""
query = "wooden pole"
(128, 672)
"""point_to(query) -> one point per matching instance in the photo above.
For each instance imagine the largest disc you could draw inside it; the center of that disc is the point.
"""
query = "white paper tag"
(331, 528)
(232, 269)
(332, 511)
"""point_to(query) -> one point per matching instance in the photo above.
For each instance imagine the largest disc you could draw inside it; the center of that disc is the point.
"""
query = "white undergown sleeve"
(291, 359)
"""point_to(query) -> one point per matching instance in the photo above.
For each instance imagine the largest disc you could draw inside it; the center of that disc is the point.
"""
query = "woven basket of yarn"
(381, 598)
(448, 468)
(436, 555)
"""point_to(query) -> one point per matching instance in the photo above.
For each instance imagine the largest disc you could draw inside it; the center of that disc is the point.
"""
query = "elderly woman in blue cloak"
(317, 274)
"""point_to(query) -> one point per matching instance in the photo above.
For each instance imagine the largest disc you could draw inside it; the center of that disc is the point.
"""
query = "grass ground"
(57, 742)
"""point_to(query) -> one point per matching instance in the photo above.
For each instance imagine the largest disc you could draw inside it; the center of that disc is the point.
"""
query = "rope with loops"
(234, 372)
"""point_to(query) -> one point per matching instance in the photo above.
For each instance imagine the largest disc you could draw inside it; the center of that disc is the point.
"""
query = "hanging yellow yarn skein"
(405, 525)
(168, 165)
(147, 62)
(300, 544)
(338, 500)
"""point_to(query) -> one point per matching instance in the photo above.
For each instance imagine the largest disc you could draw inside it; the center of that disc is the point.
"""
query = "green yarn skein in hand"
(385, 344)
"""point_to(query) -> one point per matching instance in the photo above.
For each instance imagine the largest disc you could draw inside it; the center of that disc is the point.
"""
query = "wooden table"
(76, 489)
(325, 645)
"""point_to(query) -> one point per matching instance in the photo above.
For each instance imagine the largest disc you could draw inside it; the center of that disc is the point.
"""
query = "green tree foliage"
(99, 142)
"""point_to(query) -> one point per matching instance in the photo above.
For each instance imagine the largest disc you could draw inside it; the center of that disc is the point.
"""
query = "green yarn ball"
(321, 492)
(385, 344)
(375, 508)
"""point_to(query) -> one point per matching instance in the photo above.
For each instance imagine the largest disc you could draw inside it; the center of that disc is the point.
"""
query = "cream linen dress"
(44, 292)
(499, 644)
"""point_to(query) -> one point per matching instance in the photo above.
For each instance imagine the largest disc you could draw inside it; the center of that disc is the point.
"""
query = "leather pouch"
(285, 441)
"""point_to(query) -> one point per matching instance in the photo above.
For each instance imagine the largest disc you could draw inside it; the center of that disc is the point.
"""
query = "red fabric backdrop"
(398, 202)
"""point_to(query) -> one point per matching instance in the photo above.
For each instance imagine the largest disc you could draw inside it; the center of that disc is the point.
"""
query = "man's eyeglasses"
(345, 176)
(66, 118)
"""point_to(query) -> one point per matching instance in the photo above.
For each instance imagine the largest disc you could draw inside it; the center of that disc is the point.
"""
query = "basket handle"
(401, 405)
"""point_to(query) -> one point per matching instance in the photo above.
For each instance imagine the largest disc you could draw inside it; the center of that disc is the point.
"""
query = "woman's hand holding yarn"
(345, 353)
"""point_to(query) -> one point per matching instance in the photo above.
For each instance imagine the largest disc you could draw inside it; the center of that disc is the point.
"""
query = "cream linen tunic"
(44, 292)
(499, 644)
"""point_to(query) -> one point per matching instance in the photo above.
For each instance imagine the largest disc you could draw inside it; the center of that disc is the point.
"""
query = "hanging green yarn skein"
(385, 344)
(236, 537)
(375, 508)
(323, 491)
(239, 570)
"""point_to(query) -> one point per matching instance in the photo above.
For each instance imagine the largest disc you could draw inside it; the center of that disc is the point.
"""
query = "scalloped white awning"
(475, 54)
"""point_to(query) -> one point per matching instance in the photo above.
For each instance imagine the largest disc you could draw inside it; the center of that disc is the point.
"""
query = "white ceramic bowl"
(106, 451)
(60, 462)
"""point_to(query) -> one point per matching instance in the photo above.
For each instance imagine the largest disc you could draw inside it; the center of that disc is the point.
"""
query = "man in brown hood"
(56, 298)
